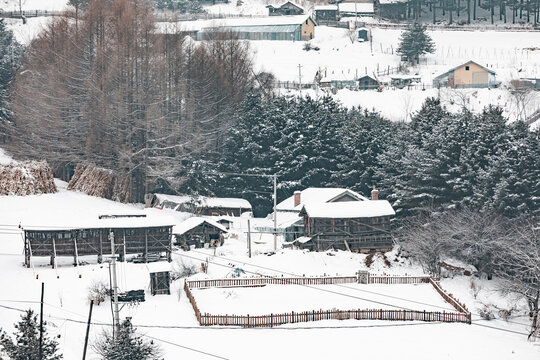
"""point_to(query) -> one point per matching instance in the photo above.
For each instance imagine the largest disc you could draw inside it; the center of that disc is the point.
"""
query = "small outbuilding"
(198, 231)
(366, 82)
(287, 8)
(200, 205)
(468, 75)
(326, 13)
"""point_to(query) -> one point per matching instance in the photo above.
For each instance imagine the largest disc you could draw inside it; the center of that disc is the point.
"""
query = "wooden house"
(197, 231)
(287, 8)
(200, 205)
(131, 235)
(339, 219)
(366, 82)
(392, 9)
(468, 75)
(326, 13)
(356, 9)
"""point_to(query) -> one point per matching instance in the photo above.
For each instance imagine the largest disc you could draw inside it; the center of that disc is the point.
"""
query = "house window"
(467, 68)
(306, 21)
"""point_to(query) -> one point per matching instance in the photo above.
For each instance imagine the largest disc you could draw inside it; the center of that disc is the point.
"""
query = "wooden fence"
(248, 321)
(261, 281)
(450, 298)
(272, 320)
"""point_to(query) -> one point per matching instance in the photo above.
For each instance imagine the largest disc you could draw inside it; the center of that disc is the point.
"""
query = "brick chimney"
(297, 198)
(374, 194)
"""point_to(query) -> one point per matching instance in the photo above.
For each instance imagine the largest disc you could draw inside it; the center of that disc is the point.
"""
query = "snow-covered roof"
(205, 202)
(316, 196)
(349, 209)
(193, 222)
(356, 7)
(391, 1)
(168, 27)
(325, 7)
(109, 223)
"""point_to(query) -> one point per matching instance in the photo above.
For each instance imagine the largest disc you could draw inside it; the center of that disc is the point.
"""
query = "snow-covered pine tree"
(415, 42)
(10, 51)
(128, 345)
(26, 344)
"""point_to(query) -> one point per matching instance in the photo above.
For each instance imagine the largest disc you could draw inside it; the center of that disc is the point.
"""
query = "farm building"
(468, 75)
(392, 9)
(288, 211)
(356, 9)
(284, 28)
(199, 205)
(366, 82)
(347, 225)
(198, 231)
(133, 234)
(326, 13)
(287, 8)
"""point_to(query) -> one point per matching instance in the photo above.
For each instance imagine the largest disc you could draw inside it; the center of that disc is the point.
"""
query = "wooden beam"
(146, 245)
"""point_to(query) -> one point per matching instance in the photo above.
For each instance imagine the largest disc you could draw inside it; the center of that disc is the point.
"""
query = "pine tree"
(10, 51)
(415, 42)
(128, 345)
(26, 344)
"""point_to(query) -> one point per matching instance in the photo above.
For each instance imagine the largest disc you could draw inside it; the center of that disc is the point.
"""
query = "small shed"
(198, 231)
(366, 82)
(363, 34)
(326, 13)
(287, 8)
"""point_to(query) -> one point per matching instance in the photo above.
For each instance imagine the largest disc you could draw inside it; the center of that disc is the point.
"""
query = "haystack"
(96, 181)
(26, 178)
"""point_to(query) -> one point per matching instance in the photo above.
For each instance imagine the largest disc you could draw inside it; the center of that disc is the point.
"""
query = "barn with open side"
(132, 234)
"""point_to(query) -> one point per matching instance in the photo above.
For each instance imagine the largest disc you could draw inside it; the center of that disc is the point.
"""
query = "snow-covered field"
(26, 5)
(276, 299)
(169, 319)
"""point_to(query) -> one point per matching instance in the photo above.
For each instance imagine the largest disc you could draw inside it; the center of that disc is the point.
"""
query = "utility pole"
(116, 313)
(275, 210)
(41, 323)
(249, 238)
(300, 78)
(87, 330)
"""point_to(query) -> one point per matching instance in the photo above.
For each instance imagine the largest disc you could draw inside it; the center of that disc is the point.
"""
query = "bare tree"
(519, 267)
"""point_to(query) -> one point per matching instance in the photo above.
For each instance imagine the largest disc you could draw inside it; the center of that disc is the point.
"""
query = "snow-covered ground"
(26, 5)
(170, 321)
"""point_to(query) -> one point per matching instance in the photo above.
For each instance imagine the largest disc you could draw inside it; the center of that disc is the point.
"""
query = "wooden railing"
(193, 302)
(272, 320)
(394, 280)
(450, 298)
(261, 281)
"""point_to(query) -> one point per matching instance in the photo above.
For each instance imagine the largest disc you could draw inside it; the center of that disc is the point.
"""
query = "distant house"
(392, 9)
(366, 82)
(356, 9)
(198, 231)
(326, 13)
(468, 75)
(285, 9)
(284, 28)
(200, 205)
(353, 225)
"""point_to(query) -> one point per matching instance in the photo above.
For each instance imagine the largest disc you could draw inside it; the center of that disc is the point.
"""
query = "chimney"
(374, 194)
(297, 198)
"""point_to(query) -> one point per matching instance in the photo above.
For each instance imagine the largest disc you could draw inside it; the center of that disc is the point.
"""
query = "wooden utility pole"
(116, 313)
(275, 211)
(249, 238)
(87, 329)
(41, 323)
